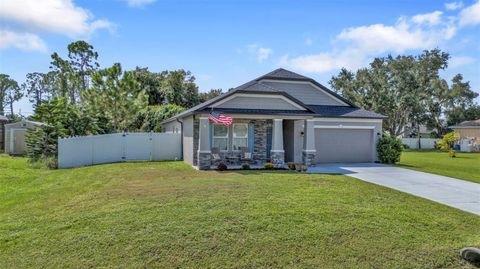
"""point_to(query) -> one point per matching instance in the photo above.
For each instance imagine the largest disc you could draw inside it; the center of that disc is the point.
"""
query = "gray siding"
(10, 128)
(172, 127)
(258, 103)
(305, 93)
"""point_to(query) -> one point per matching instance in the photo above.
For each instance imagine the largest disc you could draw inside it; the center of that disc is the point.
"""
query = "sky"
(226, 43)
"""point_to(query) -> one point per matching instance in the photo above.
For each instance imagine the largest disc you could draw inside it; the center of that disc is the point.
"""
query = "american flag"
(216, 117)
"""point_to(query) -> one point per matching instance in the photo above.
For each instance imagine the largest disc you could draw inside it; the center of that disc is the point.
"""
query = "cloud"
(23, 41)
(355, 46)
(139, 3)
(428, 18)
(457, 61)
(453, 5)
(261, 53)
(470, 15)
(58, 16)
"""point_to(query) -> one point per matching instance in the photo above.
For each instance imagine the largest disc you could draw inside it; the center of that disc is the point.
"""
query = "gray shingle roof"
(344, 111)
(281, 73)
(255, 86)
(470, 123)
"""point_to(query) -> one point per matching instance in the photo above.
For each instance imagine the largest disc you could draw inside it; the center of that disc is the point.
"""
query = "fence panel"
(425, 143)
(110, 148)
(166, 146)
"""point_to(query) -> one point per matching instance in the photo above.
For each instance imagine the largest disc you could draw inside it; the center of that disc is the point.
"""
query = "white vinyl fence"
(425, 143)
(119, 147)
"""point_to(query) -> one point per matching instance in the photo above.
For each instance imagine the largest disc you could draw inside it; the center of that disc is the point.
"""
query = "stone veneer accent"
(259, 148)
(308, 158)
(260, 139)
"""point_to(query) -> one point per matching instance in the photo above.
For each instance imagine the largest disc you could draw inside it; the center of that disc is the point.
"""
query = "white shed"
(15, 136)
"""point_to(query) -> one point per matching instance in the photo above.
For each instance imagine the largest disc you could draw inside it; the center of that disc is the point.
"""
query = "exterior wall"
(306, 93)
(469, 132)
(258, 103)
(298, 141)
(172, 127)
(259, 135)
(361, 123)
(10, 129)
(2, 135)
(188, 151)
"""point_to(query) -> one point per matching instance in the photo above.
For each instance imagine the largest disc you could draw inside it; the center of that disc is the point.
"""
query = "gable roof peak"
(281, 73)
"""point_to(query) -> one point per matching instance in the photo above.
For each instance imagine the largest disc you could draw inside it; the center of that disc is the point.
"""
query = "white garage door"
(343, 145)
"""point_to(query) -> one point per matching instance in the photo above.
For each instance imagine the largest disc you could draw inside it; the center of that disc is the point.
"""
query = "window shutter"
(251, 136)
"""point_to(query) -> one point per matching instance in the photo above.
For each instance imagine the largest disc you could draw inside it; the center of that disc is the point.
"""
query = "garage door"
(343, 145)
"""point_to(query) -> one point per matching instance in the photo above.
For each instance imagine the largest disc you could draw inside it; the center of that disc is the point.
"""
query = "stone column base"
(204, 160)
(278, 158)
(308, 157)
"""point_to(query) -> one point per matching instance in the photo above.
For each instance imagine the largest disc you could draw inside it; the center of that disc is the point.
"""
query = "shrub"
(405, 146)
(389, 149)
(291, 166)
(245, 166)
(448, 141)
(452, 153)
(268, 166)
(222, 167)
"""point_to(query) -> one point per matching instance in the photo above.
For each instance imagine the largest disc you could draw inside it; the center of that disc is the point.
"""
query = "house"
(15, 134)
(469, 132)
(3, 121)
(279, 117)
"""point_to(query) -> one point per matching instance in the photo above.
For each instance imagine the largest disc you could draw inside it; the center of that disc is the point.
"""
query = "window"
(240, 136)
(220, 137)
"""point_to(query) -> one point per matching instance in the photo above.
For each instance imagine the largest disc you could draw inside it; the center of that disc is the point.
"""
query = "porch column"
(277, 152)
(204, 153)
(309, 151)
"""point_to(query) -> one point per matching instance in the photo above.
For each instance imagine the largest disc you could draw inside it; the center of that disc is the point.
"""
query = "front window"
(220, 137)
(240, 136)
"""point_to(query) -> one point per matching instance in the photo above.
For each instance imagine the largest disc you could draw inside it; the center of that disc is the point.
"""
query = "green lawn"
(465, 166)
(166, 214)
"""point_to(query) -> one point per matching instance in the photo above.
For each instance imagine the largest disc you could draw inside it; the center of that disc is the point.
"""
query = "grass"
(166, 215)
(465, 166)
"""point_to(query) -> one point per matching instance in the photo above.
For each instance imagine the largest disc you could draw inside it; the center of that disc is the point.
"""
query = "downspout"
(181, 131)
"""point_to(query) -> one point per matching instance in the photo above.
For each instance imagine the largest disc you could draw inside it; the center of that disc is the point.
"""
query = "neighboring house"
(468, 130)
(411, 131)
(3, 121)
(15, 134)
(279, 117)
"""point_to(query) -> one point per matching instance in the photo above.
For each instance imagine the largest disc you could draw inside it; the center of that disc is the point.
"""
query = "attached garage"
(346, 145)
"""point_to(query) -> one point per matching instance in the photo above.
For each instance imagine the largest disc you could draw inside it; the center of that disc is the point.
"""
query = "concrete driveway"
(457, 193)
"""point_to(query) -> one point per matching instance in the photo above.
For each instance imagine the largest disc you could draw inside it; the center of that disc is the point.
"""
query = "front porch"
(253, 140)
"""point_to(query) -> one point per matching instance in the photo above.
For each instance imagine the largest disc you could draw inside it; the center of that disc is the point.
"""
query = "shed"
(3, 121)
(15, 136)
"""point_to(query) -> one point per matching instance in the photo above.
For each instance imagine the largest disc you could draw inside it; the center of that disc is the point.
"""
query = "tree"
(9, 93)
(116, 96)
(150, 118)
(459, 114)
(73, 75)
(204, 96)
(180, 89)
(39, 87)
(398, 88)
(448, 100)
(151, 83)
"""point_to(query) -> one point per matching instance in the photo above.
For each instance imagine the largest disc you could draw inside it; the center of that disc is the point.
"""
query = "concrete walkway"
(457, 193)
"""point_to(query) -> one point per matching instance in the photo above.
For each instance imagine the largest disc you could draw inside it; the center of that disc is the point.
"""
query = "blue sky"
(226, 43)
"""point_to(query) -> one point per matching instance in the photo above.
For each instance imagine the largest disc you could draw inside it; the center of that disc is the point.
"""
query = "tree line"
(77, 97)
(409, 91)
